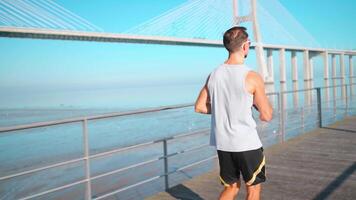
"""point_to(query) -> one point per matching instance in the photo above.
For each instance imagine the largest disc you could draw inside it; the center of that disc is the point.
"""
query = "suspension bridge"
(195, 23)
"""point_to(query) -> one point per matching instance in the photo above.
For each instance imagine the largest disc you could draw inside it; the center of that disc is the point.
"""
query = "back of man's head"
(234, 38)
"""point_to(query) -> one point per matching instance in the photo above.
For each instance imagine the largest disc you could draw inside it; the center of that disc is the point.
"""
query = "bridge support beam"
(342, 74)
(351, 76)
(283, 77)
(306, 77)
(270, 76)
(333, 75)
(311, 76)
(295, 78)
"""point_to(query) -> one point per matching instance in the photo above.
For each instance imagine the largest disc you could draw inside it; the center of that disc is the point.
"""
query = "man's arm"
(202, 104)
(260, 100)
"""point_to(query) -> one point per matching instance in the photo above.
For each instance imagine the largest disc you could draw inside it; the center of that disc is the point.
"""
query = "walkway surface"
(316, 165)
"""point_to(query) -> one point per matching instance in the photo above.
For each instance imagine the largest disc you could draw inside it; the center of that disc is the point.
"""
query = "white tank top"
(232, 125)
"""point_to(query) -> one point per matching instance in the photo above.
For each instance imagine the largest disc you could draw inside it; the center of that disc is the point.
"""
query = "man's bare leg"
(230, 192)
(253, 192)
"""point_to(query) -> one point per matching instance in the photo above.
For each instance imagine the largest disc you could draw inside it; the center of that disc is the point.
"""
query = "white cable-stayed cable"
(30, 13)
(224, 21)
(162, 21)
(49, 16)
(60, 15)
(297, 27)
(166, 14)
(188, 21)
(280, 29)
(206, 22)
(75, 17)
(216, 21)
(209, 21)
(16, 16)
(25, 14)
(5, 21)
(160, 25)
(182, 20)
(192, 21)
(195, 22)
(7, 18)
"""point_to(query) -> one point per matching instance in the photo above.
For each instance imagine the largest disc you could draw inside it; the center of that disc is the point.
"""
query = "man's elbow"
(201, 110)
(198, 109)
(267, 116)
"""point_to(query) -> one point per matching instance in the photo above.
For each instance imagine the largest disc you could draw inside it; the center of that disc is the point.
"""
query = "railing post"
(87, 159)
(351, 76)
(281, 115)
(342, 74)
(165, 154)
(333, 70)
(318, 96)
(302, 117)
(306, 66)
(326, 77)
(346, 100)
(283, 76)
(295, 78)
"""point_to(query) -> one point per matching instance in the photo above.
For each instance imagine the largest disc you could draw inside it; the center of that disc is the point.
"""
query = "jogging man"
(228, 95)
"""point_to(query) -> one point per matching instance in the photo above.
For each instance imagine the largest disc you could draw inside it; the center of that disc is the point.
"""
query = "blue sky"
(39, 66)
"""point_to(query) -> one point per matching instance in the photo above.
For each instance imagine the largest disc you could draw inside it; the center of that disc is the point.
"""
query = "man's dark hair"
(234, 38)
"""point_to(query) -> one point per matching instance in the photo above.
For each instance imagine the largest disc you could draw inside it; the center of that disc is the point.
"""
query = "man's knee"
(253, 189)
(233, 187)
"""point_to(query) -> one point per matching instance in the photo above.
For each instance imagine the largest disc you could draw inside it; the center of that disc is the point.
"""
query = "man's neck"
(235, 59)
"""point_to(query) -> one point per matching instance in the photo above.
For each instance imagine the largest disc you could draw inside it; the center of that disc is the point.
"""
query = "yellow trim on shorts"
(256, 172)
(225, 184)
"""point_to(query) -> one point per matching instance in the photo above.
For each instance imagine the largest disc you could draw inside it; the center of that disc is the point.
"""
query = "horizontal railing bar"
(90, 157)
(312, 123)
(289, 129)
(128, 187)
(267, 129)
(126, 168)
(122, 149)
(187, 150)
(203, 131)
(42, 168)
(79, 119)
(338, 77)
(291, 122)
(328, 118)
(193, 164)
(314, 88)
(54, 189)
(272, 93)
(146, 162)
(145, 144)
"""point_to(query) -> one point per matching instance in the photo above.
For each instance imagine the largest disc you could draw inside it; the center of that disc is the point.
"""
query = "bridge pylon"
(266, 73)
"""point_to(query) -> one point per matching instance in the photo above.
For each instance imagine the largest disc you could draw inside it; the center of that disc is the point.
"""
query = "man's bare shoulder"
(254, 77)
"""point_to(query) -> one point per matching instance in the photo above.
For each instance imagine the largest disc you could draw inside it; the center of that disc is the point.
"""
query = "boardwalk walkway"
(317, 165)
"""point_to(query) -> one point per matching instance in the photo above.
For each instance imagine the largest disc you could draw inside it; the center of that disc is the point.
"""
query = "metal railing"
(87, 157)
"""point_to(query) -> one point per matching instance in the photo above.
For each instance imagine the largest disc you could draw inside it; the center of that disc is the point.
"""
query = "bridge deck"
(317, 165)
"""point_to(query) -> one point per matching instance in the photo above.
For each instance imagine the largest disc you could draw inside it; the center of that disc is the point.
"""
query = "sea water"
(32, 148)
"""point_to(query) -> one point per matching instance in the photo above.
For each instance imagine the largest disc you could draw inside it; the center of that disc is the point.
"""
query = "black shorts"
(251, 164)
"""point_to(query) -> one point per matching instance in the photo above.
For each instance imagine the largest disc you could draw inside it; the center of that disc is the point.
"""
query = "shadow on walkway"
(339, 129)
(336, 183)
(183, 193)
